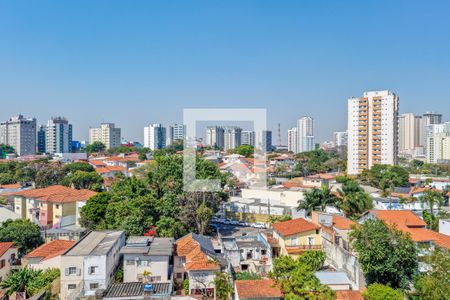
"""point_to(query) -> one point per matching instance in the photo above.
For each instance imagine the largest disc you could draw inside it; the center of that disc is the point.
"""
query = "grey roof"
(250, 243)
(402, 190)
(95, 243)
(330, 278)
(157, 246)
(6, 214)
(205, 243)
(136, 289)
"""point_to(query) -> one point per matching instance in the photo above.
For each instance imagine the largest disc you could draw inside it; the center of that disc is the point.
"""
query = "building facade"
(215, 136)
(372, 131)
(107, 134)
(340, 138)
(305, 134)
(248, 137)
(232, 138)
(20, 133)
(292, 139)
(177, 132)
(58, 136)
(410, 132)
(155, 136)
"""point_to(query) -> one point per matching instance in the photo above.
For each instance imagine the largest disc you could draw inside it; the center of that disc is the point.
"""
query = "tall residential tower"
(20, 133)
(108, 134)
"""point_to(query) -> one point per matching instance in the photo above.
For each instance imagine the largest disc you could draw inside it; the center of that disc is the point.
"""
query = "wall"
(66, 262)
(4, 272)
(157, 266)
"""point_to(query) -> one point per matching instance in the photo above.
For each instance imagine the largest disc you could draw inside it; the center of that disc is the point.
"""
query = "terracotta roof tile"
(294, 226)
(257, 289)
(108, 169)
(342, 223)
(196, 260)
(57, 194)
(5, 246)
(399, 218)
(349, 295)
(10, 186)
(50, 249)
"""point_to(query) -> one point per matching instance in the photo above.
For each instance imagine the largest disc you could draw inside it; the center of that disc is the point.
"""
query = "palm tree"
(20, 281)
(354, 200)
(432, 197)
(317, 199)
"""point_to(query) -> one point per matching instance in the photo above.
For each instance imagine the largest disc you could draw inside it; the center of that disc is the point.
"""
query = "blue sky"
(140, 62)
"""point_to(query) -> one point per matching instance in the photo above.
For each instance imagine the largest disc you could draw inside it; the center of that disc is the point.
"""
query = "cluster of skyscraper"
(301, 137)
(23, 135)
(231, 137)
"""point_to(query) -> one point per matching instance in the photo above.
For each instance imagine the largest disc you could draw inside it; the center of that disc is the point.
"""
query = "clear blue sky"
(139, 62)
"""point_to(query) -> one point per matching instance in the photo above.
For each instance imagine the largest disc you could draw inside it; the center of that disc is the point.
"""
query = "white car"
(258, 225)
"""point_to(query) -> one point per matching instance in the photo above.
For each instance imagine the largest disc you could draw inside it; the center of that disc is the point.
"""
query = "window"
(92, 270)
(71, 286)
(2, 263)
(93, 286)
(294, 241)
(57, 206)
(72, 271)
(263, 251)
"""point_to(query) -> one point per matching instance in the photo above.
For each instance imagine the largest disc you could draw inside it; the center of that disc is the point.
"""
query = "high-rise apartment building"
(155, 136)
(20, 133)
(305, 134)
(108, 134)
(410, 132)
(438, 143)
(232, 138)
(429, 118)
(176, 132)
(58, 136)
(263, 139)
(248, 137)
(340, 138)
(215, 136)
(41, 139)
(292, 140)
(372, 130)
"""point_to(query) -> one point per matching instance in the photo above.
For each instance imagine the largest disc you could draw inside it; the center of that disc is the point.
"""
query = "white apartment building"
(155, 136)
(89, 265)
(176, 132)
(232, 138)
(248, 137)
(340, 138)
(429, 118)
(215, 136)
(305, 134)
(58, 136)
(107, 134)
(20, 133)
(438, 143)
(372, 130)
(292, 140)
(410, 132)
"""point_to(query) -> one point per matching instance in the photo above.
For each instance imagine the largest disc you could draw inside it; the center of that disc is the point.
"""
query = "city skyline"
(145, 68)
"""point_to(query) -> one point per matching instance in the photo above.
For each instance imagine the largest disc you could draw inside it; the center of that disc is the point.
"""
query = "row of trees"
(351, 199)
(156, 199)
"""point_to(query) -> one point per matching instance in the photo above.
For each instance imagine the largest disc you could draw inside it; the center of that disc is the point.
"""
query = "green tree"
(381, 250)
(303, 284)
(92, 215)
(78, 166)
(385, 177)
(317, 199)
(51, 174)
(29, 281)
(23, 233)
(95, 147)
(353, 199)
(222, 286)
(431, 198)
(378, 291)
(275, 219)
(433, 284)
(244, 150)
(7, 179)
(313, 259)
(6, 149)
(84, 180)
(247, 276)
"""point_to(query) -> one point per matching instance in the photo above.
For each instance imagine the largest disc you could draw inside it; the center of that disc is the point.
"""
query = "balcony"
(301, 248)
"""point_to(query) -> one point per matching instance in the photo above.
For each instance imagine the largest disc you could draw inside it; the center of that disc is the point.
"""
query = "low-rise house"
(196, 261)
(408, 222)
(89, 265)
(257, 289)
(48, 206)
(336, 244)
(111, 171)
(247, 250)
(444, 226)
(296, 236)
(349, 295)
(8, 258)
(146, 258)
(47, 256)
(138, 291)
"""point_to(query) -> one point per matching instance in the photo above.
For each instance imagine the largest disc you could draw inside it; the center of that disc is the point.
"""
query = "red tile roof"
(5, 246)
(196, 260)
(110, 169)
(257, 289)
(294, 226)
(349, 295)
(57, 194)
(50, 249)
(10, 186)
(342, 223)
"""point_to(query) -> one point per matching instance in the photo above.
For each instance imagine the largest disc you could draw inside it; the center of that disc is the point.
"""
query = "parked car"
(258, 225)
